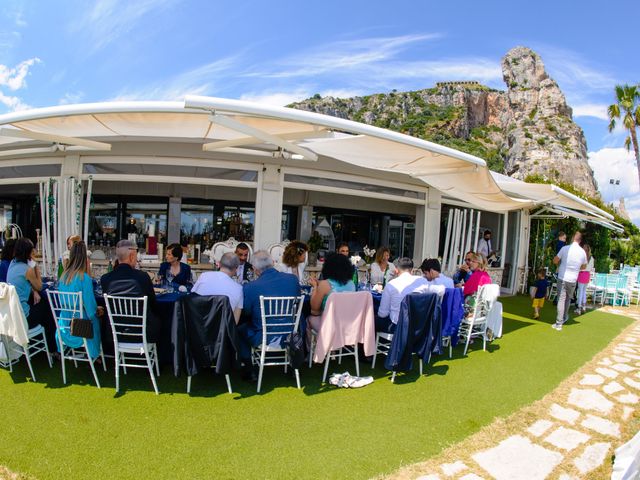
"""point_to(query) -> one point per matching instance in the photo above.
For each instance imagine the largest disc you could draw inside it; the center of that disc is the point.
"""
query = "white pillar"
(503, 247)
(524, 236)
(268, 206)
(428, 227)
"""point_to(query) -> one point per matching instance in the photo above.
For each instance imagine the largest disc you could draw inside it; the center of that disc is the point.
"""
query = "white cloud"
(15, 78)
(571, 70)
(617, 164)
(111, 19)
(597, 110)
(71, 98)
(13, 103)
(198, 81)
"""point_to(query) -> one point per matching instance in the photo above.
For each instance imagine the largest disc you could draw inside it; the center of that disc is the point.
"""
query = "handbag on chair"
(81, 327)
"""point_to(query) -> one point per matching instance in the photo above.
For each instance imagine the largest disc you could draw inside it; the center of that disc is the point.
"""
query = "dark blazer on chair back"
(209, 338)
(419, 330)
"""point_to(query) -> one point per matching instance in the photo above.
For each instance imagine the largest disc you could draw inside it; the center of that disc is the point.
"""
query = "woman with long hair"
(584, 277)
(479, 275)
(76, 279)
(382, 270)
(294, 259)
(337, 276)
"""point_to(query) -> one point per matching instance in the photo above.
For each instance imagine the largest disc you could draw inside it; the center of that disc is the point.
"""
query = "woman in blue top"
(76, 279)
(7, 256)
(174, 271)
(24, 274)
(337, 274)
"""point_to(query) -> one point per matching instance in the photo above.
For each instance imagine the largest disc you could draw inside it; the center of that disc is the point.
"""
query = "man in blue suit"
(270, 283)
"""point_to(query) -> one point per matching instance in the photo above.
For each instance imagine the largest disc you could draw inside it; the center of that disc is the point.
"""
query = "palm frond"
(627, 143)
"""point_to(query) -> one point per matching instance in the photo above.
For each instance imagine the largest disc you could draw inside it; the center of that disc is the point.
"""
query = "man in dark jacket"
(126, 281)
(245, 269)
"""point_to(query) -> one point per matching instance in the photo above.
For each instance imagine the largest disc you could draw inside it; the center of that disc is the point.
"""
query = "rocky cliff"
(524, 131)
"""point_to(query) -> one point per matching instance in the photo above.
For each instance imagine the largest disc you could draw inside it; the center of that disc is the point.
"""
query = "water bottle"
(60, 268)
(110, 266)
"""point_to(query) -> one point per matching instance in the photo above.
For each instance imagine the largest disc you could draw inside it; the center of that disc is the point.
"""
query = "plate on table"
(159, 291)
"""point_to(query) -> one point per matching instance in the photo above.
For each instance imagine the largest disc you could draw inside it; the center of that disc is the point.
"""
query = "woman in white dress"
(294, 259)
(382, 270)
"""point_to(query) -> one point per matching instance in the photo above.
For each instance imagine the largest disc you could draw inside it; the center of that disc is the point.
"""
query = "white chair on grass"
(128, 319)
(475, 326)
(64, 307)
(280, 318)
(16, 339)
(553, 291)
(610, 289)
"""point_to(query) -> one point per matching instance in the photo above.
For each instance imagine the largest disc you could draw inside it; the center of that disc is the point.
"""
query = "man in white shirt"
(394, 293)
(485, 245)
(571, 259)
(431, 270)
(221, 283)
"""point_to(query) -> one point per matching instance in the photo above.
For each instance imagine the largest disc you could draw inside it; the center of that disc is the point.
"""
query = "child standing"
(539, 292)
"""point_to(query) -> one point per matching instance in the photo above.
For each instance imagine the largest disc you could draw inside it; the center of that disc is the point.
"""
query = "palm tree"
(627, 106)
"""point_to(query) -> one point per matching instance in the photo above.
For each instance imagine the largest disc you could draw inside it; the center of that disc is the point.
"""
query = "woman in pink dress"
(479, 275)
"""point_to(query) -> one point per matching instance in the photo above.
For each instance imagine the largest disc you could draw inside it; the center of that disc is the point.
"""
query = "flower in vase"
(355, 259)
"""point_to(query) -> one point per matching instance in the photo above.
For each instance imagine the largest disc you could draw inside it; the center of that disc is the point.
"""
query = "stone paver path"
(573, 433)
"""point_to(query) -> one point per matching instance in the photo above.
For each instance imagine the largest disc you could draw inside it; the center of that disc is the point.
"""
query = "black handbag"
(82, 327)
(295, 348)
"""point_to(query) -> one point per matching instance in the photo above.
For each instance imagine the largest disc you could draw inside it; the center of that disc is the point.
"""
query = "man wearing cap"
(431, 271)
(126, 281)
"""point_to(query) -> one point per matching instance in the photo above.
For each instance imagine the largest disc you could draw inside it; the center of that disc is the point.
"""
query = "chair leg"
(122, 362)
(116, 358)
(189, 384)
(297, 378)
(326, 367)
(450, 349)
(226, 377)
(314, 338)
(153, 377)
(26, 354)
(93, 368)
(260, 370)
(340, 357)
(393, 377)
(104, 364)
(46, 349)
(466, 345)
(64, 369)
(355, 354)
(156, 361)
(420, 360)
(375, 352)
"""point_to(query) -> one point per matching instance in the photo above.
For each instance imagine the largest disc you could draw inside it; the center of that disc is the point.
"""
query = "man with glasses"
(126, 281)
(464, 272)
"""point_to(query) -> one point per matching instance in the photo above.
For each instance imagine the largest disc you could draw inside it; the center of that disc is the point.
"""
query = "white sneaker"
(556, 327)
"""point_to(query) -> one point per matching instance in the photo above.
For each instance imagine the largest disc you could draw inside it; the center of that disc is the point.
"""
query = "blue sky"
(73, 51)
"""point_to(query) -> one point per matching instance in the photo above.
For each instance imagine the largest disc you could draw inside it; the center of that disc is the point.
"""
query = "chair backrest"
(622, 281)
(601, 280)
(280, 317)
(612, 281)
(276, 250)
(485, 298)
(64, 307)
(128, 318)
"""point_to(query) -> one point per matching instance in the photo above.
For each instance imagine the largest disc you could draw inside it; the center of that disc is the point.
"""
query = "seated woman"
(71, 240)
(479, 275)
(174, 271)
(382, 270)
(7, 256)
(337, 274)
(24, 274)
(294, 259)
(76, 279)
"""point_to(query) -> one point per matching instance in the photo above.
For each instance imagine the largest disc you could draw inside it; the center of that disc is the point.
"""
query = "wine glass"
(169, 278)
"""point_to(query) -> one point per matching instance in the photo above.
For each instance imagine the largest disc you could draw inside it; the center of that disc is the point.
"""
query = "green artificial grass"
(51, 430)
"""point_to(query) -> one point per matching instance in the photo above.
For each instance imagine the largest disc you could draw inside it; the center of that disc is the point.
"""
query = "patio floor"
(316, 432)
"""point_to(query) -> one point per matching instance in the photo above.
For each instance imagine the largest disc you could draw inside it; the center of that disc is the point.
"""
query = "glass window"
(238, 222)
(23, 171)
(6, 215)
(197, 224)
(103, 225)
(347, 185)
(146, 219)
(170, 171)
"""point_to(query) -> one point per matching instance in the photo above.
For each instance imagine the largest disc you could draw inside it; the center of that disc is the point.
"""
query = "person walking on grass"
(570, 259)
(539, 292)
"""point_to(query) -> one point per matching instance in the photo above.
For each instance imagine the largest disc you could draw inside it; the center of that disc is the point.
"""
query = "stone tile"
(451, 469)
(539, 427)
(605, 361)
(429, 477)
(607, 372)
(632, 356)
(601, 425)
(471, 476)
(632, 383)
(623, 367)
(517, 458)
(626, 413)
(612, 387)
(628, 398)
(592, 380)
(618, 359)
(625, 348)
(589, 399)
(566, 438)
(592, 457)
(568, 415)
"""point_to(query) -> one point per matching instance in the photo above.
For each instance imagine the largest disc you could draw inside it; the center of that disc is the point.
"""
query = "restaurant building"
(206, 169)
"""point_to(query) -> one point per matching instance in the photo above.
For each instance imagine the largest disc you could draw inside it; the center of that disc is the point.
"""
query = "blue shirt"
(271, 283)
(183, 278)
(541, 288)
(4, 269)
(17, 276)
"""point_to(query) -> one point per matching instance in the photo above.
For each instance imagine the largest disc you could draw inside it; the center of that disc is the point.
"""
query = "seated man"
(221, 283)
(431, 270)
(464, 272)
(270, 283)
(394, 293)
(245, 269)
(126, 281)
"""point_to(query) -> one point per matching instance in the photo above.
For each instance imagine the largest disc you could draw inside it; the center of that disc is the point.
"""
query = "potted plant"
(315, 243)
